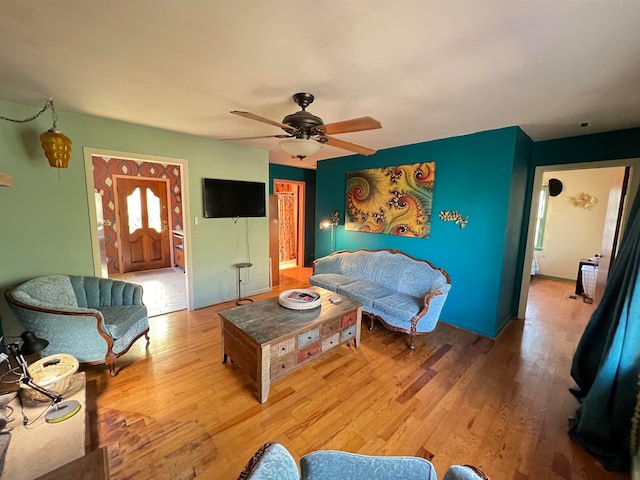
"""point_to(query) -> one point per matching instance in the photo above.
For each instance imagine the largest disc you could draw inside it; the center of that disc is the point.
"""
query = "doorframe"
(301, 216)
(116, 200)
(634, 181)
(88, 153)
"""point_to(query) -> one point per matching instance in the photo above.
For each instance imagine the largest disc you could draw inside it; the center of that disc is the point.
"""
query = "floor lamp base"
(61, 411)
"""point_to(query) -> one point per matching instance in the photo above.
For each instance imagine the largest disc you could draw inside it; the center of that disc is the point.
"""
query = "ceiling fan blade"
(353, 125)
(253, 116)
(352, 147)
(254, 138)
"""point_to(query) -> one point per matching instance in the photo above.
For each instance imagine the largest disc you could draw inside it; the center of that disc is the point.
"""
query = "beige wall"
(571, 232)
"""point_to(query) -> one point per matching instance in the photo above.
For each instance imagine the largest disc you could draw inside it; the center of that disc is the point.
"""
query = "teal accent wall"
(588, 148)
(513, 258)
(283, 172)
(45, 215)
(482, 175)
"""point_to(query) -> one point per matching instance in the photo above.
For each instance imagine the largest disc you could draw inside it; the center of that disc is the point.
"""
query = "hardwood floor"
(176, 412)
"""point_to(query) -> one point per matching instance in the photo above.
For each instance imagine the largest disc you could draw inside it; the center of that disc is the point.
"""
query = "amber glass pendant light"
(56, 145)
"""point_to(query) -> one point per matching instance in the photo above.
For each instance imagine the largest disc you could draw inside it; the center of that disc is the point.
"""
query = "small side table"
(239, 267)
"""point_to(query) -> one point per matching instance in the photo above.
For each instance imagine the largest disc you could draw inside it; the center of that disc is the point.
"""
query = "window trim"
(541, 220)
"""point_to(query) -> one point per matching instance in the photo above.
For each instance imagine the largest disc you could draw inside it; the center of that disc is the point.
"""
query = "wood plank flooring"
(176, 412)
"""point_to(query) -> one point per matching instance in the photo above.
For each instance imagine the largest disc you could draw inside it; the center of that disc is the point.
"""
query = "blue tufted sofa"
(403, 293)
(274, 462)
(94, 319)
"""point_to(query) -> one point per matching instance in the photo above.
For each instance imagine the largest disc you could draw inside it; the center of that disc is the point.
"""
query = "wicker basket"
(52, 373)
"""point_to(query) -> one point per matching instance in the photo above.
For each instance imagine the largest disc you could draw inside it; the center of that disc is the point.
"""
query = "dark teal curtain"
(607, 361)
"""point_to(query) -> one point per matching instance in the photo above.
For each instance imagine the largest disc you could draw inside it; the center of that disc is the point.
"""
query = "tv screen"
(233, 198)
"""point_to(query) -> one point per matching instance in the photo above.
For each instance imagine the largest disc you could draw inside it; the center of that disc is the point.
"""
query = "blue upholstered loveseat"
(94, 319)
(403, 293)
(274, 462)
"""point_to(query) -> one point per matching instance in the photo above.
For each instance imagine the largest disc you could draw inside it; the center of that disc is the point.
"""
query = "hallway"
(164, 289)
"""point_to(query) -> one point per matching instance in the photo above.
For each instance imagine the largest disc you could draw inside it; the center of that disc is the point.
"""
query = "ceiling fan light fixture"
(300, 147)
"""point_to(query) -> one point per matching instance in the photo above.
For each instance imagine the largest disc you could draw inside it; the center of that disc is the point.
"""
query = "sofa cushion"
(119, 319)
(331, 264)
(359, 265)
(94, 292)
(332, 464)
(364, 291)
(399, 305)
(417, 279)
(330, 281)
(388, 271)
(53, 290)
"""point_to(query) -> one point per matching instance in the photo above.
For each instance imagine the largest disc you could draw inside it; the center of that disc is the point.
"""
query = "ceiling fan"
(306, 133)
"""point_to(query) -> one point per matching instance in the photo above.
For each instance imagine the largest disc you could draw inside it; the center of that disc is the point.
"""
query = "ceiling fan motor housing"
(304, 123)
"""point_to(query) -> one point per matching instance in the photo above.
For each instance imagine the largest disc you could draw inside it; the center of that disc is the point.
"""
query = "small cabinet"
(178, 248)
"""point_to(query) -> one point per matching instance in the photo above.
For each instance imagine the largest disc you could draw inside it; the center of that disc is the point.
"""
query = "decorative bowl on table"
(300, 299)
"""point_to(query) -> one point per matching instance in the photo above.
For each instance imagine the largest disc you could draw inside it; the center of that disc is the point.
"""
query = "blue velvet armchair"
(274, 462)
(94, 319)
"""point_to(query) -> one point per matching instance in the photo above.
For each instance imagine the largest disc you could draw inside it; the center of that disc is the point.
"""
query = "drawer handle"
(309, 354)
(284, 366)
(308, 338)
(284, 348)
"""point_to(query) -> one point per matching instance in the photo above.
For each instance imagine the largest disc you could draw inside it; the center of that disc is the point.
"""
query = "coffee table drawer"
(349, 319)
(283, 365)
(331, 327)
(332, 341)
(283, 348)
(309, 352)
(306, 338)
(348, 333)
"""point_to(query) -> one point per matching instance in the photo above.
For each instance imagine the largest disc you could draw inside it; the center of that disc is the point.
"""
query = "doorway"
(142, 223)
(541, 172)
(151, 258)
(291, 204)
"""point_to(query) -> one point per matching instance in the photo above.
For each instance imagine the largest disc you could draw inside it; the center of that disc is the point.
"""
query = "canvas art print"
(392, 200)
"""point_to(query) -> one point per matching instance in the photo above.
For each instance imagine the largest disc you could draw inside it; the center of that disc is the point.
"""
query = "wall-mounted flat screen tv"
(233, 198)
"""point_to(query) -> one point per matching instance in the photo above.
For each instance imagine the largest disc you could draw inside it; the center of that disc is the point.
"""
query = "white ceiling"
(425, 69)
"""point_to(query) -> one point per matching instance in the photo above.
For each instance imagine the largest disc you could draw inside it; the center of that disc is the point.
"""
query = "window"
(541, 217)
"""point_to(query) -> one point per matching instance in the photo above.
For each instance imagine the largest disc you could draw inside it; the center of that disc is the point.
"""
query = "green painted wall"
(482, 175)
(283, 172)
(45, 215)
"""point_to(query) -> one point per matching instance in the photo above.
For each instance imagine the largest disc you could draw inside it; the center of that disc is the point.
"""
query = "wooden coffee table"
(270, 341)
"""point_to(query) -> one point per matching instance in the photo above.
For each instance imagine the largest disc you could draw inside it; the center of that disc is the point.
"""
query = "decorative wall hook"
(454, 216)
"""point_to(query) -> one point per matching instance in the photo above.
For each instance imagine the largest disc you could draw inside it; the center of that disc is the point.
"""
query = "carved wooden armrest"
(427, 301)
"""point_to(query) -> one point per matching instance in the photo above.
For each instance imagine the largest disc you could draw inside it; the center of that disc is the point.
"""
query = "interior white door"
(611, 231)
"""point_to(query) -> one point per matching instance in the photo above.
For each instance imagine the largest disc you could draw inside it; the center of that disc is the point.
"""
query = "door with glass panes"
(143, 223)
